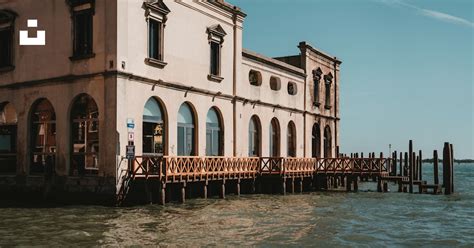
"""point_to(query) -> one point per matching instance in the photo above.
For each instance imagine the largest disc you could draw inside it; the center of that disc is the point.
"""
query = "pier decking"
(279, 172)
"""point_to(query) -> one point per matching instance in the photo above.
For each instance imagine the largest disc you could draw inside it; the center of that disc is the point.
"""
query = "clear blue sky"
(407, 69)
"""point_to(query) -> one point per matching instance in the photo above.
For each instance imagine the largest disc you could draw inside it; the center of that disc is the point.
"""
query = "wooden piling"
(183, 192)
(452, 166)
(410, 151)
(356, 183)
(447, 169)
(406, 167)
(283, 186)
(435, 167)
(301, 185)
(292, 185)
(204, 190)
(401, 163)
(348, 183)
(163, 194)
(238, 187)
(420, 166)
(223, 189)
(394, 163)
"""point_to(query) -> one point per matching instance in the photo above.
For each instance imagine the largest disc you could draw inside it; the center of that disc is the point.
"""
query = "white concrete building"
(176, 69)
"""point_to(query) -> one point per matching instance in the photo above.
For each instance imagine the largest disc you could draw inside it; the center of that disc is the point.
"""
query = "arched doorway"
(154, 130)
(291, 139)
(186, 131)
(8, 138)
(214, 133)
(84, 136)
(42, 137)
(254, 137)
(327, 142)
(274, 138)
(316, 141)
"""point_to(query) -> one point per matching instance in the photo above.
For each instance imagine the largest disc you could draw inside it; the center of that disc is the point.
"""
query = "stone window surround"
(158, 12)
(316, 79)
(328, 81)
(215, 34)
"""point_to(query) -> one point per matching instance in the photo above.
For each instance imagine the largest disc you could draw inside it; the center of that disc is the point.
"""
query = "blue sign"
(130, 125)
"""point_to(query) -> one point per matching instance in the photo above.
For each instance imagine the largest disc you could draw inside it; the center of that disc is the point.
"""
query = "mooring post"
(343, 181)
(183, 192)
(415, 172)
(394, 163)
(451, 150)
(148, 192)
(163, 193)
(406, 166)
(348, 183)
(410, 151)
(435, 167)
(447, 165)
(420, 154)
(223, 189)
(283, 186)
(292, 185)
(204, 189)
(401, 164)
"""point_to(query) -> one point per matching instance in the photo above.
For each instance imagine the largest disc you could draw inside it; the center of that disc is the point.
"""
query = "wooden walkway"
(281, 172)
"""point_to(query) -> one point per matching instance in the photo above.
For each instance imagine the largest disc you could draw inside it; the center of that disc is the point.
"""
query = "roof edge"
(305, 45)
(227, 7)
(273, 62)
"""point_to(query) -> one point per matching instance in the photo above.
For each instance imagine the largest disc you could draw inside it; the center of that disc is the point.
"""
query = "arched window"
(214, 132)
(186, 131)
(85, 136)
(275, 83)
(327, 142)
(43, 137)
(274, 138)
(316, 78)
(316, 141)
(153, 128)
(8, 138)
(254, 137)
(255, 78)
(291, 136)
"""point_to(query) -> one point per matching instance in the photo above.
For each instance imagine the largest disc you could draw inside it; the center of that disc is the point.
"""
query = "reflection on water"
(323, 219)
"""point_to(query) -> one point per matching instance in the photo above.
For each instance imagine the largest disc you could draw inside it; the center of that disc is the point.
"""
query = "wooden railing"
(180, 168)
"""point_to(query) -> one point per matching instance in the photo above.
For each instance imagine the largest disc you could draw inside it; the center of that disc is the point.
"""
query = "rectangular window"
(316, 90)
(6, 47)
(83, 33)
(215, 58)
(328, 95)
(155, 39)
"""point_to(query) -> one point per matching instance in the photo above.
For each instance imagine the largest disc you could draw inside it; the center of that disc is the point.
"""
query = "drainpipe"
(303, 59)
(234, 87)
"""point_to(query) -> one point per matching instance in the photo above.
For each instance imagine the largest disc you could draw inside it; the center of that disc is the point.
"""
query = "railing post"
(411, 159)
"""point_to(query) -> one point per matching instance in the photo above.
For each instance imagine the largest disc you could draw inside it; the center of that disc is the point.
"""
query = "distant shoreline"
(456, 161)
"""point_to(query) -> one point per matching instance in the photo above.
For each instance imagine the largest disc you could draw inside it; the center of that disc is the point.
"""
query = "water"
(315, 219)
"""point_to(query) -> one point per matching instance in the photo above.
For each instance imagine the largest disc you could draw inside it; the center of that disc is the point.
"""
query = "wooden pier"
(175, 178)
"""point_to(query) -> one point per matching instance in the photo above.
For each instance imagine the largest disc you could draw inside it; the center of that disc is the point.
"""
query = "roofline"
(303, 44)
(228, 7)
(273, 62)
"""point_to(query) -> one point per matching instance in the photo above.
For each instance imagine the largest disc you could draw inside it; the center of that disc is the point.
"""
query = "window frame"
(77, 8)
(327, 96)
(157, 12)
(316, 84)
(215, 35)
(7, 24)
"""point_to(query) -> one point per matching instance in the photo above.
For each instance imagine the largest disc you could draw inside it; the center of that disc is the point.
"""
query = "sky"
(407, 70)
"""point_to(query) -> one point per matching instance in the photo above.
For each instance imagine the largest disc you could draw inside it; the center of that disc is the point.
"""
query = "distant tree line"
(458, 161)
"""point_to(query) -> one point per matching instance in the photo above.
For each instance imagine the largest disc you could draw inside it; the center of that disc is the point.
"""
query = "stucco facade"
(120, 78)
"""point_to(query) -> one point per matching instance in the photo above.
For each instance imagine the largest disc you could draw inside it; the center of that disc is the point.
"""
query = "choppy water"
(314, 219)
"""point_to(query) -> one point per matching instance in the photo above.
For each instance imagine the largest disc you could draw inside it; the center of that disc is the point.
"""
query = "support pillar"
(183, 193)
(238, 187)
(204, 189)
(223, 189)
(163, 193)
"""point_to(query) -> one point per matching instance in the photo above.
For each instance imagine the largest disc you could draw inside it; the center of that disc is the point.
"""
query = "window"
(153, 128)
(254, 137)
(316, 78)
(291, 137)
(213, 134)
(255, 78)
(216, 38)
(275, 83)
(82, 21)
(43, 137)
(316, 141)
(328, 81)
(292, 88)
(186, 132)
(274, 138)
(156, 15)
(215, 58)
(84, 136)
(327, 142)
(7, 19)
(8, 138)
